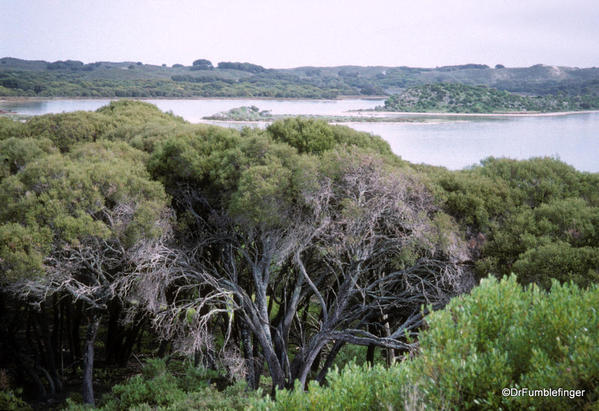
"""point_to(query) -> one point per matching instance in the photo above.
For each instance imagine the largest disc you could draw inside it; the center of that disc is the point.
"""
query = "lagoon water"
(449, 142)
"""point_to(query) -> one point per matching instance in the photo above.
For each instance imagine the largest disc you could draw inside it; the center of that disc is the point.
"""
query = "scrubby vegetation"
(579, 87)
(461, 98)
(500, 336)
(536, 218)
(174, 388)
(240, 263)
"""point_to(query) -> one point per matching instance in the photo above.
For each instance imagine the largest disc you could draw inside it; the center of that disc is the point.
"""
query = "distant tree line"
(578, 87)
(252, 68)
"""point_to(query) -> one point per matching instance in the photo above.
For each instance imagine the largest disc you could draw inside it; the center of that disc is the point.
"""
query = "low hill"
(461, 98)
(72, 78)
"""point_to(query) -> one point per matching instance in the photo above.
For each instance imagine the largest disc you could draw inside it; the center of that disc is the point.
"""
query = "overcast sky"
(279, 33)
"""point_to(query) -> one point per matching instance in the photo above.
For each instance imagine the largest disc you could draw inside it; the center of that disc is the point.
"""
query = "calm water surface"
(454, 144)
(573, 139)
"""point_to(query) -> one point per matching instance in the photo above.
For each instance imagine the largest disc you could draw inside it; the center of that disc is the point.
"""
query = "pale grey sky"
(279, 33)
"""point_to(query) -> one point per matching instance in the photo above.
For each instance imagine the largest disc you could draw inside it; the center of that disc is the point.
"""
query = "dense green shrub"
(15, 153)
(354, 388)
(537, 218)
(11, 401)
(316, 136)
(535, 181)
(10, 128)
(154, 387)
(122, 120)
(474, 199)
(234, 397)
(67, 129)
(504, 336)
(157, 387)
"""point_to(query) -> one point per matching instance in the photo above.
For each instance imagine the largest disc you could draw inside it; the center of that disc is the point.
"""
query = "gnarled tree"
(309, 252)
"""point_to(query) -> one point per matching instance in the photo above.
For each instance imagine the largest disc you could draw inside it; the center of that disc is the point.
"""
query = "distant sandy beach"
(373, 113)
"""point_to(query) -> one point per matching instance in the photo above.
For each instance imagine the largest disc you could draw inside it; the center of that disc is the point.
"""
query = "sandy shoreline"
(19, 98)
(351, 113)
(373, 113)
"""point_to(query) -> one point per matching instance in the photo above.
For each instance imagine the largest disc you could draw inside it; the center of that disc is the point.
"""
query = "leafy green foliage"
(16, 153)
(252, 68)
(121, 120)
(11, 401)
(473, 198)
(10, 128)
(10, 398)
(58, 201)
(159, 388)
(505, 336)
(22, 251)
(155, 387)
(210, 154)
(353, 388)
(536, 180)
(537, 218)
(316, 136)
(67, 129)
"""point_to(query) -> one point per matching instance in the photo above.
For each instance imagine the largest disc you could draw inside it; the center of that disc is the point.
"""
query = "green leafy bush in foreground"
(11, 401)
(499, 336)
(158, 388)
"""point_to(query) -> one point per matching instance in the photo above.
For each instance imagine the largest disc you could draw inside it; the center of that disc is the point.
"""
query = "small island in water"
(243, 113)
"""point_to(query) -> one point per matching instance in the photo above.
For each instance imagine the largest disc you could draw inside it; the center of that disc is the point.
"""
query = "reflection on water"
(453, 144)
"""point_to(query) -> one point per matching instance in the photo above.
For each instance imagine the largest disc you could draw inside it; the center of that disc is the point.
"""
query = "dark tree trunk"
(276, 372)
(88, 359)
(370, 354)
(75, 340)
(306, 365)
(56, 337)
(50, 357)
(59, 336)
(246, 340)
(258, 359)
(139, 340)
(329, 361)
(114, 334)
(196, 358)
(132, 335)
(162, 349)
(41, 390)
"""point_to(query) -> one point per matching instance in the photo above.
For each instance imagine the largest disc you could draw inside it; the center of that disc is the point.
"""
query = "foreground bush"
(11, 401)
(159, 388)
(354, 388)
(500, 336)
